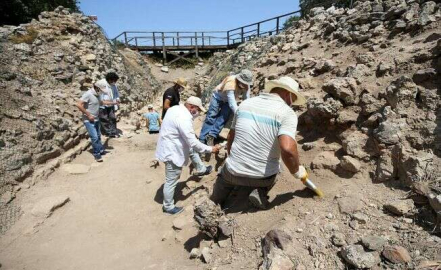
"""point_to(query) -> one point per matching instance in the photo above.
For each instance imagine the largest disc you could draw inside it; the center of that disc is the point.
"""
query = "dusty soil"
(114, 218)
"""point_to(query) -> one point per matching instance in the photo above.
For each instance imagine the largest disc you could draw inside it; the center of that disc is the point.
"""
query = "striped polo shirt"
(258, 123)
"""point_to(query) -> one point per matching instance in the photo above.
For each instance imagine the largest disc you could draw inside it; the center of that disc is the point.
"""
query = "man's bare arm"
(80, 105)
(230, 140)
(290, 155)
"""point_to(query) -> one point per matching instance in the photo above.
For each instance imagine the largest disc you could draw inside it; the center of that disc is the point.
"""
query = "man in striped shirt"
(263, 130)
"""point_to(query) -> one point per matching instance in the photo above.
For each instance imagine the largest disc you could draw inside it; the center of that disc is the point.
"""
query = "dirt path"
(112, 221)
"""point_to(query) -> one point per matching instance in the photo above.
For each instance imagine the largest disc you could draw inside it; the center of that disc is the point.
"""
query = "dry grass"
(28, 38)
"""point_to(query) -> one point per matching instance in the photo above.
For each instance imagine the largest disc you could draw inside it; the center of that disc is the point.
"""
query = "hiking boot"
(210, 142)
(206, 172)
(259, 199)
(98, 159)
(173, 211)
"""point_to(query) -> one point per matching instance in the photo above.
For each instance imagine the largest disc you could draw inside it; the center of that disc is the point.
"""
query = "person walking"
(172, 95)
(152, 120)
(89, 104)
(263, 131)
(108, 112)
(223, 103)
(176, 140)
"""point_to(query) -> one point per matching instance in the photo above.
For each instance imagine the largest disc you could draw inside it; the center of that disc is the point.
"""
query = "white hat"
(150, 106)
(289, 85)
(196, 102)
(103, 85)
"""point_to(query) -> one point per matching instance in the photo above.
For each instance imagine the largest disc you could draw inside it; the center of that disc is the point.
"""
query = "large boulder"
(401, 93)
(323, 109)
(325, 160)
(344, 89)
(356, 256)
(358, 145)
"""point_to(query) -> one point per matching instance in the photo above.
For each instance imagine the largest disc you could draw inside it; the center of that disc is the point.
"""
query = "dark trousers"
(226, 182)
(108, 121)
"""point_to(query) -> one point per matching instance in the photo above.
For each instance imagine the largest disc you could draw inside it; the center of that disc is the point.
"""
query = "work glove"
(301, 173)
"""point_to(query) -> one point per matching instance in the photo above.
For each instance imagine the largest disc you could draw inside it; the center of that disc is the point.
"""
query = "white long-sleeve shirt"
(177, 137)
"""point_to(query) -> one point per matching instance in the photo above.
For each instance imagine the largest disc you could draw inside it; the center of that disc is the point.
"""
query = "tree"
(290, 21)
(15, 12)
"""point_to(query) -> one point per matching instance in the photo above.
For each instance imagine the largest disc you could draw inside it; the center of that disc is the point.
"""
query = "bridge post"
(202, 39)
(154, 40)
(125, 39)
(177, 38)
(277, 25)
(241, 35)
(196, 44)
(136, 42)
(228, 39)
(258, 29)
(164, 53)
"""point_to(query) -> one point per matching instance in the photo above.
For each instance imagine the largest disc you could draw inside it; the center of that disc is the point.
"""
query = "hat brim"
(202, 109)
(301, 100)
(176, 82)
(244, 82)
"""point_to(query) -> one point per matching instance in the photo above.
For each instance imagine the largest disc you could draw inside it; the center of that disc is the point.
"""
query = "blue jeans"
(217, 116)
(196, 161)
(95, 137)
(172, 174)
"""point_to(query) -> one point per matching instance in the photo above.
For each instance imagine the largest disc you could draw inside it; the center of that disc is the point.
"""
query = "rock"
(396, 254)
(401, 92)
(206, 254)
(385, 169)
(435, 202)
(349, 205)
(45, 207)
(6, 197)
(365, 59)
(164, 69)
(358, 145)
(90, 57)
(344, 89)
(384, 69)
(273, 245)
(23, 47)
(207, 214)
(360, 218)
(323, 67)
(325, 160)
(338, 239)
(400, 207)
(356, 256)
(373, 242)
(323, 109)
(350, 164)
(76, 168)
(347, 117)
(359, 71)
(424, 75)
(308, 146)
(389, 131)
(195, 253)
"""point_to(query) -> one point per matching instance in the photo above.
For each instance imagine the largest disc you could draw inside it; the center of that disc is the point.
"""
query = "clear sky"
(116, 16)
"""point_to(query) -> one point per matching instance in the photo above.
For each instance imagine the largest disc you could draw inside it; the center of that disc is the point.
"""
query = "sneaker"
(259, 199)
(103, 152)
(98, 159)
(206, 172)
(173, 211)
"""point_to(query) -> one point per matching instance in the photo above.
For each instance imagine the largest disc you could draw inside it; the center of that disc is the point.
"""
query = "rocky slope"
(45, 67)
(372, 77)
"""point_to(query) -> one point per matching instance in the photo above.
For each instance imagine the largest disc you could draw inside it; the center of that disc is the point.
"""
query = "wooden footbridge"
(182, 44)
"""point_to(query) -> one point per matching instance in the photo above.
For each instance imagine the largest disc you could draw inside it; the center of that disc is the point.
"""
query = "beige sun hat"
(103, 85)
(150, 106)
(181, 81)
(196, 102)
(288, 84)
(246, 77)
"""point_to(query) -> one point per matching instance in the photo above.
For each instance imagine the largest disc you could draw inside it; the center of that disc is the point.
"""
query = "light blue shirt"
(153, 118)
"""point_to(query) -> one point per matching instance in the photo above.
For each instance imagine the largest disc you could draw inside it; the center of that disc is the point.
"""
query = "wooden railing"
(202, 39)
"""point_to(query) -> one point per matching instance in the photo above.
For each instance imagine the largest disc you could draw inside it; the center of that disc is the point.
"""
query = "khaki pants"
(226, 182)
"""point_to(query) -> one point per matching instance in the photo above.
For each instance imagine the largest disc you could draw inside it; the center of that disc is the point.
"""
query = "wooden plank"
(125, 39)
(164, 52)
(196, 44)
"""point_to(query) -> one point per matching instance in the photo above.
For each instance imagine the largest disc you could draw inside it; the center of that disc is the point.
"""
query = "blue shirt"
(153, 118)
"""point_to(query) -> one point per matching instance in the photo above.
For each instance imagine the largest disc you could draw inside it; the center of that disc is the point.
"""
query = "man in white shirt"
(176, 140)
(263, 131)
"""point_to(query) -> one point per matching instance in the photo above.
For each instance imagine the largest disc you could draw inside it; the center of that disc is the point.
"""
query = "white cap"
(196, 102)
(102, 85)
(150, 106)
